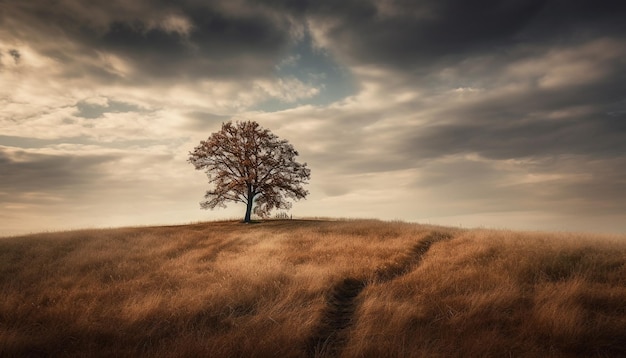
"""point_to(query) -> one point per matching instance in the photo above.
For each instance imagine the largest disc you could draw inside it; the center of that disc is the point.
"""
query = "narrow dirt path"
(330, 336)
(412, 258)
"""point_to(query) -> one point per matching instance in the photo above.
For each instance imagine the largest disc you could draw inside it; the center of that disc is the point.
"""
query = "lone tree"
(247, 163)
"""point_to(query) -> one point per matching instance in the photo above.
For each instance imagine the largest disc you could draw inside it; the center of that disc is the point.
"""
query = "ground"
(297, 288)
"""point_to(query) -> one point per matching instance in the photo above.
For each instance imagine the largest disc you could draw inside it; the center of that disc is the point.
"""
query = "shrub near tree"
(249, 164)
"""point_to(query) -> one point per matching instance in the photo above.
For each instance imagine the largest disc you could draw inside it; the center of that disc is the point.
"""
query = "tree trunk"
(246, 219)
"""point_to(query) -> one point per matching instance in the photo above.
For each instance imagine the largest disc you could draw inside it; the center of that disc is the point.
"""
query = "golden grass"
(226, 289)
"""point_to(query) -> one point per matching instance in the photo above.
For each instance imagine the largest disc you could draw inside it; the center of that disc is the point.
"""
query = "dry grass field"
(298, 288)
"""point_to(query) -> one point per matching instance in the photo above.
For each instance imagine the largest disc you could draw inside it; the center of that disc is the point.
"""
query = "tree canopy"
(249, 164)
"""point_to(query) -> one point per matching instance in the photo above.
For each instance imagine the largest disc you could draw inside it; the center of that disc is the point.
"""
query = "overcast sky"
(505, 114)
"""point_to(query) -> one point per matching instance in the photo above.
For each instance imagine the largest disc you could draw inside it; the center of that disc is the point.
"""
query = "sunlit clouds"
(497, 114)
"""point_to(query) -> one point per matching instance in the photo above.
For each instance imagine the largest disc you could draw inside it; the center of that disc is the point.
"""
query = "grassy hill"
(299, 288)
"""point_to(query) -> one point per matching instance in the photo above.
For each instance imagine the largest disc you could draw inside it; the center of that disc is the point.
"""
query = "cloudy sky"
(505, 114)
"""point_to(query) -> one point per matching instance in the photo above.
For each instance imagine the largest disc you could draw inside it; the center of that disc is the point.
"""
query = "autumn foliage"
(249, 164)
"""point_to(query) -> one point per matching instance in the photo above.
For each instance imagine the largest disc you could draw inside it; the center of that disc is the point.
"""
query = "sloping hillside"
(299, 288)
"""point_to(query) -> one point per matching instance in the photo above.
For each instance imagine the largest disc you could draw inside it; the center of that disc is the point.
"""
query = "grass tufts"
(293, 288)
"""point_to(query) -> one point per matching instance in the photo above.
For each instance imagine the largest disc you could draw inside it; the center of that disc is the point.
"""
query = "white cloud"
(570, 66)
(288, 89)
(97, 100)
(174, 23)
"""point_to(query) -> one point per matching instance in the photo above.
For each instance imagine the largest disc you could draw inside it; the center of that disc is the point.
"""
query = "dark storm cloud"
(208, 39)
(444, 28)
(217, 46)
(480, 41)
(189, 39)
(414, 34)
(23, 172)
(519, 125)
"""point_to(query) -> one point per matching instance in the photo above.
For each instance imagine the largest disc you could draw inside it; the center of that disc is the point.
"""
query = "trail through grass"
(224, 289)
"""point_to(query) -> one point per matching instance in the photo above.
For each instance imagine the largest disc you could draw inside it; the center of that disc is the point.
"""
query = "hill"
(298, 288)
